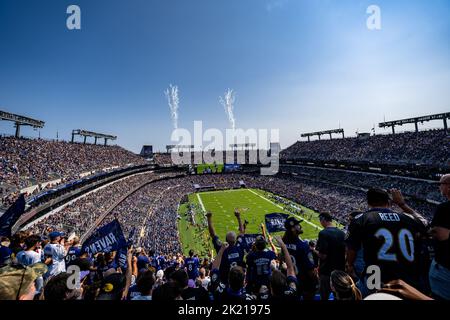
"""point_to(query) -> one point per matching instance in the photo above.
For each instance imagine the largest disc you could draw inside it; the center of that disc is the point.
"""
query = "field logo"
(251, 146)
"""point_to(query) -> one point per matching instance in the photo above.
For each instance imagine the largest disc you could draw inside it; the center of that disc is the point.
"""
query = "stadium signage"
(107, 238)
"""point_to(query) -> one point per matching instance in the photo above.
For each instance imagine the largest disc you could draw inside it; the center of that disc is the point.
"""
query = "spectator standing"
(192, 264)
(302, 258)
(259, 263)
(74, 251)
(30, 256)
(5, 251)
(390, 240)
(56, 252)
(331, 251)
(440, 267)
(235, 251)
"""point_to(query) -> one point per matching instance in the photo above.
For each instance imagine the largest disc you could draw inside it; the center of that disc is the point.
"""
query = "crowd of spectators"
(418, 188)
(268, 270)
(27, 162)
(152, 210)
(424, 147)
(79, 215)
(162, 159)
(146, 205)
(157, 270)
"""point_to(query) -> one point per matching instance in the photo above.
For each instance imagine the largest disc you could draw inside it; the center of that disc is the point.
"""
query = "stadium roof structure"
(438, 116)
(85, 134)
(20, 121)
(179, 147)
(245, 146)
(321, 133)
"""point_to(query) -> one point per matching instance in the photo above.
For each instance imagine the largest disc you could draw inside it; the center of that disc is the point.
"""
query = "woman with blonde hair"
(343, 286)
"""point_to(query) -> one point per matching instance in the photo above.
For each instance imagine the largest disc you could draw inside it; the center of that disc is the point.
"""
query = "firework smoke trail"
(173, 101)
(228, 104)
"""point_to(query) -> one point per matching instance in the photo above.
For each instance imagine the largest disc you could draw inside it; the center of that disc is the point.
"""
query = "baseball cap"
(55, 234)
(143, 262)
(112, 287)
(16, 279)
(291, 222)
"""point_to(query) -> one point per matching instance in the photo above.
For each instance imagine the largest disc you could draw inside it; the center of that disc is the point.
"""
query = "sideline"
(268, 200)
(201, 203)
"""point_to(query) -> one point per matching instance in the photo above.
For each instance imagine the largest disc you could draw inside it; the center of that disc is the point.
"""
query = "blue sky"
(296, 65)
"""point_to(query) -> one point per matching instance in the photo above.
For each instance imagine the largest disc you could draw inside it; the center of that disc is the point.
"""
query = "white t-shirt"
(27, 258)
(57, 253)
(205, 282)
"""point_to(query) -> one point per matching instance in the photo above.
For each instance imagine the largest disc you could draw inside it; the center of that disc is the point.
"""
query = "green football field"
(254, 205)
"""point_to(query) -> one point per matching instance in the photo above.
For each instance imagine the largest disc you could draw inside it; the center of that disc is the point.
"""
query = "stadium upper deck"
(426, 148)
(26, 162)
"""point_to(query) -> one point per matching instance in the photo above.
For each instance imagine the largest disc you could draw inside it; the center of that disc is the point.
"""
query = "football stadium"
(118, 210)
(104, 197)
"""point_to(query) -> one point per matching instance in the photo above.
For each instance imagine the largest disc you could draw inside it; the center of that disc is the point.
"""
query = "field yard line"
(216, 191)
(268, 200)
(201, 202)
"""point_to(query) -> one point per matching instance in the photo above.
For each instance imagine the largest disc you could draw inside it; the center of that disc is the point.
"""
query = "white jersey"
(57, 253)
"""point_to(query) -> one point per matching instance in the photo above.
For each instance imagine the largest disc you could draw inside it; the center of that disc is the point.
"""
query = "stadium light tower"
(321, 133)
(85, 134)
(439, 116)
(21, 121)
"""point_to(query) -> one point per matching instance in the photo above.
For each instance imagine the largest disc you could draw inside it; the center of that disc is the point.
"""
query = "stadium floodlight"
(179, 147)
(321, 133)
(244, 146)
(438, 116)
(21, 121)
(85, 134)
(170, 147)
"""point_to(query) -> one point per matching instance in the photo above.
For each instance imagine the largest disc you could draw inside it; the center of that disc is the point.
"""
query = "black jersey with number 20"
(390, 240)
